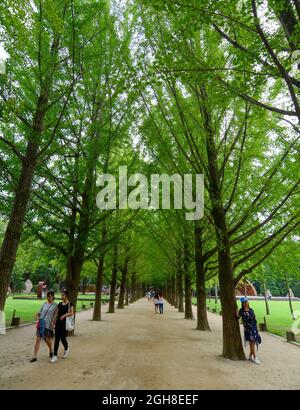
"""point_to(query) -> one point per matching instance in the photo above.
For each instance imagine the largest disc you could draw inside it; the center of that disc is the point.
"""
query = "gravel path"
(138, 349)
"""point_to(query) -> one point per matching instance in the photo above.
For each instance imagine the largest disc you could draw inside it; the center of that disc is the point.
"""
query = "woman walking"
(44, 327)
(251, 334)
(161, 303)
(64, 310)
(155, 300)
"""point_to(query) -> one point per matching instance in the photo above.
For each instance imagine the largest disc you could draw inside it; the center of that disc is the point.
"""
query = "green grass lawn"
(57, 295)
(27, 309)
(279, 320)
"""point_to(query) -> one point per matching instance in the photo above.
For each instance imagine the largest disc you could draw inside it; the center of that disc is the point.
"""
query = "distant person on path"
(155, 300)
(251, 334)
(161, 303)
(44, 328)
(64, 309)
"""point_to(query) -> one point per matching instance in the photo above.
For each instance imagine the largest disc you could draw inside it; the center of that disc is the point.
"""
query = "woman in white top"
(161, 303)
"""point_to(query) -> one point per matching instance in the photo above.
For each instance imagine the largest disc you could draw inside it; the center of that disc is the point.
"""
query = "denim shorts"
(48, 334)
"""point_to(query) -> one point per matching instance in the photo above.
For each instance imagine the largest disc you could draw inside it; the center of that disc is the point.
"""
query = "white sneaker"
(256, 360)
(66, 352)
(251, 358)
(54, 359)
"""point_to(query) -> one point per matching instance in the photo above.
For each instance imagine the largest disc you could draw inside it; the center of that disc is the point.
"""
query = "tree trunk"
(123, 284)
(188, 296)
(13, 231)
(216, 294)
(74, 266)
(136, 290)
(202, 321)
(180, 289)
(187, 283)
(266, 299)
(127, 291)
(232, 341)
(99, 284)
(143, 289)
(78, 242)
(113, 282)
(133, 288)
(167, 291)
(288, 21)
(289, 294)
(173, 291)
(170, 285)
(140, 291)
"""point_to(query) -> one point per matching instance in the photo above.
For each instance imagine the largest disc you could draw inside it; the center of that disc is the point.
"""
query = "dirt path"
(136, 349)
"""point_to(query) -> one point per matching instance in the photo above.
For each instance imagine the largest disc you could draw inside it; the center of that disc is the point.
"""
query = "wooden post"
(290, 337)
(216, 293)
(263, 326)
(15, 321)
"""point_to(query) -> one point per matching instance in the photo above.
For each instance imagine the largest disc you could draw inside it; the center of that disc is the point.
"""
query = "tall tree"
(33, 87)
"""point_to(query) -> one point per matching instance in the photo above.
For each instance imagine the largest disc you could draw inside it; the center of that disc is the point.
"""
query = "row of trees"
(161, 87)
(213, 111)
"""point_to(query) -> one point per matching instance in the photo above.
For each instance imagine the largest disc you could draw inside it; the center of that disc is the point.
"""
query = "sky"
(3, 56)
